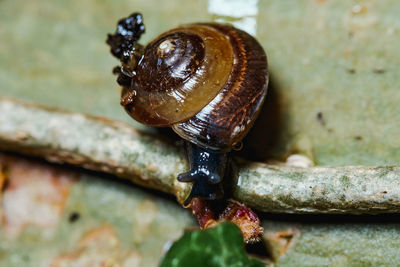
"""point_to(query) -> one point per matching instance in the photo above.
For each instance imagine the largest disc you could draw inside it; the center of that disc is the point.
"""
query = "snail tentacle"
(207, 170)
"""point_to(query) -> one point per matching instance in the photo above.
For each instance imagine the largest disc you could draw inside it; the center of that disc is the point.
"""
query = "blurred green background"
(334, 95)
(334, 90)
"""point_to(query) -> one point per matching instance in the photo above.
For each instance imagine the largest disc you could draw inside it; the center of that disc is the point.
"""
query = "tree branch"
(151, 161)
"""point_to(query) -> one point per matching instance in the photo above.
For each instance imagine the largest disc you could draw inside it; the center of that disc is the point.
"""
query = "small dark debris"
(351, 70)
(122, 79)
(384, 192)
(320, 118)
(126, 35)
(73, 217)
(350, 34)
(25, 258)
(258, 249)
(286, 236)
(378, 70)
(116, 70)
(358, 138)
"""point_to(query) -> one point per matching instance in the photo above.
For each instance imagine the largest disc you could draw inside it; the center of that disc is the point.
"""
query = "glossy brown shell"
(216, 94)
(230, 115)
(180, 72)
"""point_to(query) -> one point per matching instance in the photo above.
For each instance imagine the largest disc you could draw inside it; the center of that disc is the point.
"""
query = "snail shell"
(206, 81)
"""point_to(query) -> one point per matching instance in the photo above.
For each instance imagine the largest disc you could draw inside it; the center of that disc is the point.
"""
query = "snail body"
(207, 81)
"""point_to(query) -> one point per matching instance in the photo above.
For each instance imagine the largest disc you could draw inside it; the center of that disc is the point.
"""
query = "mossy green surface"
(54, 52)
(333, 67)
(334, 75)
(142, 221)
(339, 243)
(338, 59)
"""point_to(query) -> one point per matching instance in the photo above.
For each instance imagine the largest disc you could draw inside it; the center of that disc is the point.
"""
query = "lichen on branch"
(152, 161)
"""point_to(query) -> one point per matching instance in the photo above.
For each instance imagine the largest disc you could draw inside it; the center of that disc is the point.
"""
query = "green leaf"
(219, 246)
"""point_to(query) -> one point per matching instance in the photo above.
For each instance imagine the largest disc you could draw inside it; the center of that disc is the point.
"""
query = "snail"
(207, 81)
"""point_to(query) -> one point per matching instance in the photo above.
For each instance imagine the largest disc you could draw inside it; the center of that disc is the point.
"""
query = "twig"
(103, 145)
